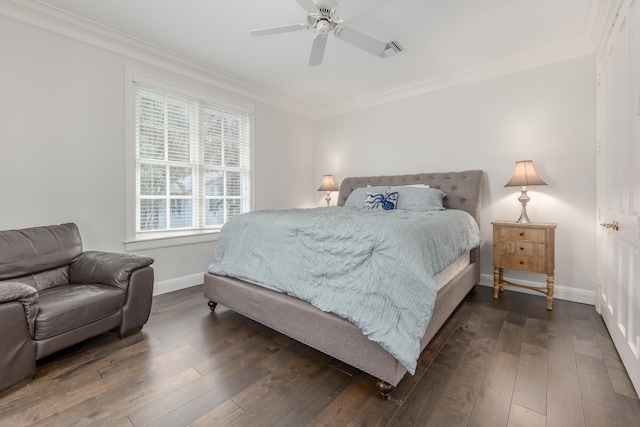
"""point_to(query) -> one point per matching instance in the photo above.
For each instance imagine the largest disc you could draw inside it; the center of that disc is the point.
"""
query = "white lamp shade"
(328, 184)
(524, 175)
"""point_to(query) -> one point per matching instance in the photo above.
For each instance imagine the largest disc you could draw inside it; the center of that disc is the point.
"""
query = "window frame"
(208, 96)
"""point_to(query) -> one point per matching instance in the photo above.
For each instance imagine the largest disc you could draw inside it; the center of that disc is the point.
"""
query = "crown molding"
(57, 21)
(600, 16)
(596, 19)
(612, 15)
(495, 67)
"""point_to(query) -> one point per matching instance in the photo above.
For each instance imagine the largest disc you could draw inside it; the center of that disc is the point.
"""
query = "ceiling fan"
(325, 16)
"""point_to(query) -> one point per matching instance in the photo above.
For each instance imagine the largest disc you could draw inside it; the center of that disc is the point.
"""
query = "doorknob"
(613, 225)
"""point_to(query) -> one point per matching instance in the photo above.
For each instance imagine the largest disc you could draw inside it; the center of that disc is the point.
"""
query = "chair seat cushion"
(67, 307)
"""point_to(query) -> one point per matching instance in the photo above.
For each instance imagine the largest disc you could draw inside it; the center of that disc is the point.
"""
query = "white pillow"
(410, 185)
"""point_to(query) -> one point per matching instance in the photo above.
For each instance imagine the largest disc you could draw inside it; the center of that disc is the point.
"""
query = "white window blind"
(193, 162)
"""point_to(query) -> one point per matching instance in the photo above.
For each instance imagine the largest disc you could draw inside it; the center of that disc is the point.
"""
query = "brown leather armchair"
(53, 295)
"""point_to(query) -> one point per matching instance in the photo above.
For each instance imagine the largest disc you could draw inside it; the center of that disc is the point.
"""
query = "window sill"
(166, 240)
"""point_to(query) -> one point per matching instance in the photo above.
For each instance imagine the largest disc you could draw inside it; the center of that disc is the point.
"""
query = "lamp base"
(328, 197)
(524, 199)
(523, 217)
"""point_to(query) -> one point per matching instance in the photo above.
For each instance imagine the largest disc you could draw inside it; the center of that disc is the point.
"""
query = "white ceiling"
(439, 36)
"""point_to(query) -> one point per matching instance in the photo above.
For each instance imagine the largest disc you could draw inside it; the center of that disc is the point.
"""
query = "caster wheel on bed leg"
(385, 389)
(212, 305)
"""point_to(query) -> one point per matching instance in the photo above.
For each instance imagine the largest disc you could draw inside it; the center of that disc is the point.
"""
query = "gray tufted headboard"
(464, 192)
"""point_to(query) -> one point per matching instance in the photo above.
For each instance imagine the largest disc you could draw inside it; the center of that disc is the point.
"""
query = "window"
(192, 163)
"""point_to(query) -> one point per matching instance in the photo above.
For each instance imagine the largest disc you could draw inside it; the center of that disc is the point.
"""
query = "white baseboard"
(178, 283)
(559, 292)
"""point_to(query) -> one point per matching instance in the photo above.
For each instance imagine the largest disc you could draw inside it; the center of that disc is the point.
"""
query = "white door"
(618, 237)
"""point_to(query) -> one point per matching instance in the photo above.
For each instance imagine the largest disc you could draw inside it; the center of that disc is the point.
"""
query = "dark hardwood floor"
(495, 363)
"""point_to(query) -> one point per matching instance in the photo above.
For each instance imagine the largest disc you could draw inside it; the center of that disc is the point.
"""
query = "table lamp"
(328, 185)
(523, 176)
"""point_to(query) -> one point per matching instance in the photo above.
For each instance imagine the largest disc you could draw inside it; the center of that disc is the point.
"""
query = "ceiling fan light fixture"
(323, 27)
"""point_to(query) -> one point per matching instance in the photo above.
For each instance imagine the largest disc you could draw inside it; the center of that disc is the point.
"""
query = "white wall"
(284, 160)
(545, 114)
(62, 147)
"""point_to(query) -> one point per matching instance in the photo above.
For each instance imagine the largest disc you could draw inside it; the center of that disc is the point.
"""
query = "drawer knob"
(521, 234)
(522, 249)
(521, 263)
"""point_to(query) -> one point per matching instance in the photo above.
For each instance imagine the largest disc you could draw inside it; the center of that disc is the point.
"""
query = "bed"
(336, 336)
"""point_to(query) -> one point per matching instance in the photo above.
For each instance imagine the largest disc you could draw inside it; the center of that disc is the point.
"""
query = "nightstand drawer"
(523, 248)
(525, 263)
(523, 234)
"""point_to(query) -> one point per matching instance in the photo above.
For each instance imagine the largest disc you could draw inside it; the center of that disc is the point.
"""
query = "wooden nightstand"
(527, 247)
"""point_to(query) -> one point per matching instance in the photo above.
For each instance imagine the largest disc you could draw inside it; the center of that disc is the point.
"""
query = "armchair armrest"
(24, 294)
(106, 268)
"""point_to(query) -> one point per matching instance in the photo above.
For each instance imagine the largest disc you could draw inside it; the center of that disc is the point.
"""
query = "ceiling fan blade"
(317, 50)
(309, 6)
(351, 8)
(278, 30)
(358, 39)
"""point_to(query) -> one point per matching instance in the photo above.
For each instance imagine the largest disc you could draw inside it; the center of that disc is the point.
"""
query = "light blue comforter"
(374, 268)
